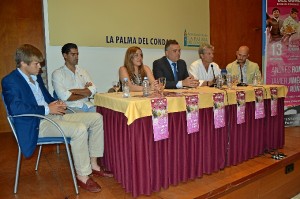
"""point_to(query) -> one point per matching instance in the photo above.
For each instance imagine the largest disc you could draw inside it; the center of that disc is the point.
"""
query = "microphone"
(212, 67)
(242, 78)
(214, 80)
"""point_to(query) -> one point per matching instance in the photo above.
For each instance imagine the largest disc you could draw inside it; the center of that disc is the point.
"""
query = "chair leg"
(38, 158)
(17, 171)
(72, 169)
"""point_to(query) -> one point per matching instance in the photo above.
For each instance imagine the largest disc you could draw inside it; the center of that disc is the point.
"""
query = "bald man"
(242, 63)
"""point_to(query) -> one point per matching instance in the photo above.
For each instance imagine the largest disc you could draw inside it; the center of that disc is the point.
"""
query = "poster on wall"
(282, 52)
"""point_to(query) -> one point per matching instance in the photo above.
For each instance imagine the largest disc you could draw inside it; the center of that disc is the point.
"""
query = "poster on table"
(281, 52)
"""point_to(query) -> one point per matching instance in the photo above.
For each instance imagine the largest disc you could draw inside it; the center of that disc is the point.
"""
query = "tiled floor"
(53, 179)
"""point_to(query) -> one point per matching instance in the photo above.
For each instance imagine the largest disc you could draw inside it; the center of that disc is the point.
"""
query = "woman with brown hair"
(135, 70)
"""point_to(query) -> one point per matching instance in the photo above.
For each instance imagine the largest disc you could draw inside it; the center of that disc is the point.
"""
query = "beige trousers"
(86, 132)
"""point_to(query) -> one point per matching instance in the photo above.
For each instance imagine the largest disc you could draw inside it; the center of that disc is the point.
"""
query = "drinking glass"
(229, 81)
(116, 86)
(161, 85)
(235, 80)
(219, 81)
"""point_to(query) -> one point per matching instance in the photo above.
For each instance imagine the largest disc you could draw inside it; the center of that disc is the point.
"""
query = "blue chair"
(41, 141)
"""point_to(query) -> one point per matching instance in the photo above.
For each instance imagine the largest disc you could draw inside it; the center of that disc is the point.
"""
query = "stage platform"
(260, 177)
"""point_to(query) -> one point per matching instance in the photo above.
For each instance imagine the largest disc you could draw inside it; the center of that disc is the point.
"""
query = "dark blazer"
(19, 99)
(162, 68)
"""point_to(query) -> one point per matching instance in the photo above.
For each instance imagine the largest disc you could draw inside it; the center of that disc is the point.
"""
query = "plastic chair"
(58, 141)
(41, 141)
(71, 110)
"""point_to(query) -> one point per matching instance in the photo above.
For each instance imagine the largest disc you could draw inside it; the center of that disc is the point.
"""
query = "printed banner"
(219, 110)
(123, 24)
(282, 47)
(274, 97)
(292, 116)
(259, 103)
(192, 113)
(160, 118)
(241, 106)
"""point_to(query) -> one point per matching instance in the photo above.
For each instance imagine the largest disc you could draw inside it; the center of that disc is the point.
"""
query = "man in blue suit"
(173, 68)
(25, 93)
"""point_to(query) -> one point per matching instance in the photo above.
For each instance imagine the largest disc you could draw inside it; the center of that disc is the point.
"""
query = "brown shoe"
(102, 173)
(90, 185)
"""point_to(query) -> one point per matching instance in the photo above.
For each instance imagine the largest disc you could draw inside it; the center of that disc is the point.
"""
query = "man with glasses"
(173, 68)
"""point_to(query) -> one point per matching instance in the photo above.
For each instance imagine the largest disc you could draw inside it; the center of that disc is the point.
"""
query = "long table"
(143, 166)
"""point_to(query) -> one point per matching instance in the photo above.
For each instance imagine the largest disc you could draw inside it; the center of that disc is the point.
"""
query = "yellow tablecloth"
(136, 106)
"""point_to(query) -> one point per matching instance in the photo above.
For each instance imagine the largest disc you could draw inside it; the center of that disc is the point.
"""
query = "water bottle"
(219, 81)
(255, 79)
(125, 87)
(229, 80)
(146, 87)
(224, 73)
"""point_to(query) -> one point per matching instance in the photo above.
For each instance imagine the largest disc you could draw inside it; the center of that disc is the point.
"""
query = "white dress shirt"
(63, 79)
(199, 72)
(38, 95)
(179, 83)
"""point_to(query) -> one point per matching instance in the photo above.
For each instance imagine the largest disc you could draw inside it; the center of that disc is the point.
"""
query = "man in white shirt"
(73, 84)
(204, 69)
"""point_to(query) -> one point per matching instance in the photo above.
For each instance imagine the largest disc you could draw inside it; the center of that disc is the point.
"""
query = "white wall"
(102, 63)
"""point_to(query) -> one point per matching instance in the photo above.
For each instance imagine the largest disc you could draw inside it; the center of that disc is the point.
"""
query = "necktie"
(175, 71)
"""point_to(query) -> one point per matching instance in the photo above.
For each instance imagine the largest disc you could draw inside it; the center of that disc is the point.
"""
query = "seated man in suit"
(204, 68)
(25, 93)
(173, 68)
(244, 65)
(72, 83)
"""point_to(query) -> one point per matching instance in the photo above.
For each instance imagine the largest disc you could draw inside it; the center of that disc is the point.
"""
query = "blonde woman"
(135, 70)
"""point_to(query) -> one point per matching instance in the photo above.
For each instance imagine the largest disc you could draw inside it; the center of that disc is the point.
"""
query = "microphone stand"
(214, 84)
(242, 79)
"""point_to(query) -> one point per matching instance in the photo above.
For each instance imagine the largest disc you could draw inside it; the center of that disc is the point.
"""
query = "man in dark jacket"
(173, 68)
(25, 93)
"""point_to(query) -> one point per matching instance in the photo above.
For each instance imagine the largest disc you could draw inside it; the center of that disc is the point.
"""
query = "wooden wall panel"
(21, 21)
(235, 23)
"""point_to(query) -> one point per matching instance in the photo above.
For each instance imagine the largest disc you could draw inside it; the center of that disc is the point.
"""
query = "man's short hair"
(203, 47)
(294, 10)
(27, 53)
(170, 42)
(274, 9)
(67, 48)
